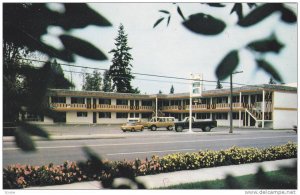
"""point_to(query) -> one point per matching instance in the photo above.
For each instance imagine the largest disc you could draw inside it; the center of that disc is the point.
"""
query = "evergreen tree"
(92, 82)
(159, 92)
(106, 82)
(219, 85)
(56, 67)
(120, 70)
(271, 81)
(172, 90)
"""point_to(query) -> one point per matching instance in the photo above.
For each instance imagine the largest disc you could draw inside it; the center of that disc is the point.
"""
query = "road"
(143, 144)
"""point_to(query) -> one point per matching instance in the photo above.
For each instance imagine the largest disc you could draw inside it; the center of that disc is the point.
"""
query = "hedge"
(21, 176)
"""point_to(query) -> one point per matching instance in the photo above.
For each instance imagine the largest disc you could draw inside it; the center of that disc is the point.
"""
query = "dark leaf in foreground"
(24, 141)
(164, 11)
(180, 12)
(82, 48)
(269, 69)
(288, 16)
(238, 9)
(96, 162)
(157, 22)
(250, 5)
(259, 14)
(232, 183)
(204, 24)
(33, 130)
(227, 65)
(168, 20)
(266, 45)
(215, 4)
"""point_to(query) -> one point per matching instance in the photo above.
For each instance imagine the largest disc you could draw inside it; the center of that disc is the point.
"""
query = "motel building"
(258, 106)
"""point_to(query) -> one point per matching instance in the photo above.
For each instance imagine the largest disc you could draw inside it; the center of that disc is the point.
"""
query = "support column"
(156, 107)
(263, 110)
(240, 112)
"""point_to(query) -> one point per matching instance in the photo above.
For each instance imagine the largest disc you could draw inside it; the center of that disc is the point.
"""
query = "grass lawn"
(275, 180)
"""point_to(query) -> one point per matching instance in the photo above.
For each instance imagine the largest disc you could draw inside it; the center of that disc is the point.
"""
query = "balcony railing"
(64, 106)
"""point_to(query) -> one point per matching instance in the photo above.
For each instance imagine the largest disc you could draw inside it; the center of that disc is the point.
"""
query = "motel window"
(122, 115)
(104, 115)
(134, 115)
(221, 100)
(122, 102)
(235, 99)
(104, 101)
(146, 103)
(82, 114)
(77, 100)
(56, 99)
(221, 116)
(146, 115)
(235, 115)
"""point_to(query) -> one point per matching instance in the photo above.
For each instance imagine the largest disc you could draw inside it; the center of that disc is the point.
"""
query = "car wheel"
(179, 128)
(142, 129)
(124, 130)
(207, 129)
(153, 128)
(169, 128)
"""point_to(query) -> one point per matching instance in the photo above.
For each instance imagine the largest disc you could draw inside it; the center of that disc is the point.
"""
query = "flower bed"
(21, 176)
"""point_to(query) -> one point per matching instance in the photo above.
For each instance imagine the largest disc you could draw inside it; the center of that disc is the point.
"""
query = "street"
(140, 144)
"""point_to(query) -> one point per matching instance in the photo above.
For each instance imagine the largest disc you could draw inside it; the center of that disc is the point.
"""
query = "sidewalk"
(174, 178)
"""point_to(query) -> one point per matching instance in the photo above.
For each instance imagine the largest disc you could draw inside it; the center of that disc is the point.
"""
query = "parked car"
(161, 122)
(205, 125)
(132, 126)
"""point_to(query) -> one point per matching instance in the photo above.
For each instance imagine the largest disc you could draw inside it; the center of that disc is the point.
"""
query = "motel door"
(94, 117)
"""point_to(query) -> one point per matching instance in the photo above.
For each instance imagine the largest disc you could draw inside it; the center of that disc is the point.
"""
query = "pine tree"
(107, 87)
(160, 92)
(271, 81)
(172, 90)
(120, 70)
(92, 82)
(219, 85)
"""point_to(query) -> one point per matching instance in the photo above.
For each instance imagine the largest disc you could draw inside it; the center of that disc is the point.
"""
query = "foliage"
(203, 24)
(24, 86)
(92, 82)
(219, 85)
(120, 70)
(107, 86)
(271, 81)
(17, 176)
(160, 92)
(172, 90)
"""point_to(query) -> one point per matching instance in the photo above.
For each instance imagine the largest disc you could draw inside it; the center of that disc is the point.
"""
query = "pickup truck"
(205, 125)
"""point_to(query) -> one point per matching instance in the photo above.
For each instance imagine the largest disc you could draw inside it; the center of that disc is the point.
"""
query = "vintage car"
(132, 126)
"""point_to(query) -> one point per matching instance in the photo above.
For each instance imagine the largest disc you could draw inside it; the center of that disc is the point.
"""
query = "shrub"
(21, 176)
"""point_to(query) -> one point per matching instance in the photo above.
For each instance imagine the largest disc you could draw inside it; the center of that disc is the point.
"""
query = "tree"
(24, 26)
(120, 70)
(106, 87)
(92, 82)
(172, 90)
(160, 92)
(219, 85)
(271, 81)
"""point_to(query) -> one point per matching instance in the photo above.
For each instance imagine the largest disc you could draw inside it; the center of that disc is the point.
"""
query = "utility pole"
(230, 114)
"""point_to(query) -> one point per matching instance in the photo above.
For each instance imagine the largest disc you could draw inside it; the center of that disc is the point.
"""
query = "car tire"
(206, 129)
(124, 130)
(153, 128)
(142, 129)
(169, 128)
(179, 128)
(132, 130)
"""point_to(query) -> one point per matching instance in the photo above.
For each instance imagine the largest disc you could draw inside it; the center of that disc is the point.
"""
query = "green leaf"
(215, 4)
(288, 16)
(82, 48)
(96, 162)
(168, 20)
(204, 24)
(259, 14)
(238, 9)
(164, 11)
(157, 22)
(24, 141)
(227, 65)
(33, 130)
(270, 44)
(269, 69)
(180, 12)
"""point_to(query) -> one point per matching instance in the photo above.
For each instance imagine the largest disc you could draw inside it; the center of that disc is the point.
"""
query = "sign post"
(196, 89)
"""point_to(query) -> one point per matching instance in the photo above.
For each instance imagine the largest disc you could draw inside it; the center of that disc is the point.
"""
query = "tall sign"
(195, 91)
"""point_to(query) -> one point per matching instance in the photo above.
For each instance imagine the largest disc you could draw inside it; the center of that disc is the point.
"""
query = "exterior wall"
(226, 123)
(285, 110)
(71, 118)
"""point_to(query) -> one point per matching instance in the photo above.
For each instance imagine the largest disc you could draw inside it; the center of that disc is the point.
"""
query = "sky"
(175, 51)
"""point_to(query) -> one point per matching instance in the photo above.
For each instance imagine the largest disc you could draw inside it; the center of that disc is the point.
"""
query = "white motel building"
(260, 106)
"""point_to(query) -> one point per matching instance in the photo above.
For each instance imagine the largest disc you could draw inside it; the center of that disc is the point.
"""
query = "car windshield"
(130, 123)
